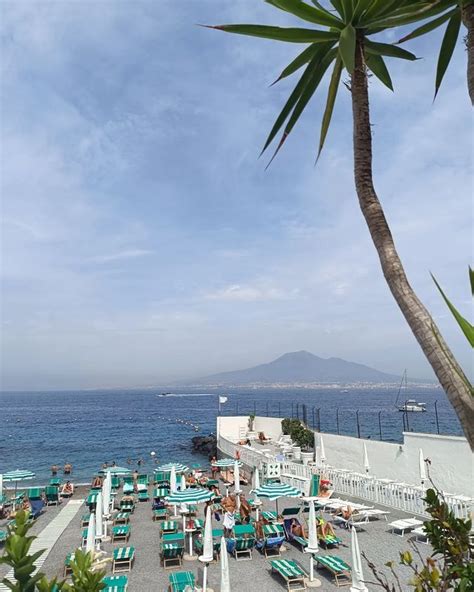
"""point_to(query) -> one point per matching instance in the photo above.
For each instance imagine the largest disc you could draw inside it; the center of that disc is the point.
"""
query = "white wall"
(452, 462)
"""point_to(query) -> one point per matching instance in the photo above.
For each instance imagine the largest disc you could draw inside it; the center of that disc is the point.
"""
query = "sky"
(143, 241)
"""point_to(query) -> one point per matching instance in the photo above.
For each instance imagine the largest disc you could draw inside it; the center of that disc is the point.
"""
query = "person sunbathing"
(245, 509)
(227, 477)
(127, 499)
(97, 483)
(297, 529)
(344, 511)
(262, 438)
(67, 489)
(191, 480)
(324, 528)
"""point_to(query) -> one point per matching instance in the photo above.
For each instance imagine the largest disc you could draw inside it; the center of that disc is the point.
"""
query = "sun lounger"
(3, 536)
(171, 555)
(173, 537)
(405, 525)
(55, 482)
(123, 559)
(272, 530)
(161, 479)
(85, 520)
(243, 548)
(420, 534)
(115, 584)
(181, 580)
(160, 492)
(291, 572)
(143, 496)
(270, 516)
(241, 530)
(121, 518)
(52, 495)
(37, 506)
(339, 568)
(160, 514)
(272, 546)
(127, 507)
(168, 526)
(115, 482)
(67, 564)
(120, 533)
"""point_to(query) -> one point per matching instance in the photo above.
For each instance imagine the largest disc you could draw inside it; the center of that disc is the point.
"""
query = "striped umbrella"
(197, 495)
(117, 471)
(178, 467)
(273, 491)
(226, 462)
(16, 476)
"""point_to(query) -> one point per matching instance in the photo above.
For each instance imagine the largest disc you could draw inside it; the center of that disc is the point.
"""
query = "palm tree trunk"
(467, 15)
(419, 320)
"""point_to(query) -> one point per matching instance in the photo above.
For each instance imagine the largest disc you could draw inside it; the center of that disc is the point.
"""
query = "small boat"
(163, 395)
(413, 406)
(410, 405)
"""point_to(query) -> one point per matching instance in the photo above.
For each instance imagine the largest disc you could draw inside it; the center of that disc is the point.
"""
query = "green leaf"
(295, 95)
(360, 10)
(412, 14)
(447, 48)
(389, 50)
(291, 35)
(339, 6)
(465, 325)
(307, 13)
(377, 66)
(347, 45)
(426, 28)
(471, 279)
(331, 99)
(317, 74)
(301, 59)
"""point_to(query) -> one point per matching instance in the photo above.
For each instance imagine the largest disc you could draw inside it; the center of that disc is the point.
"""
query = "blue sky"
(142, 238)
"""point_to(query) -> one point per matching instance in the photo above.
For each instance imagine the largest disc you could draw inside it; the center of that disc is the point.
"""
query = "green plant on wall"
(300, 435)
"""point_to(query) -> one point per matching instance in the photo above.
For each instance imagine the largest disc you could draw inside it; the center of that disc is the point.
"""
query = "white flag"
(222, 400)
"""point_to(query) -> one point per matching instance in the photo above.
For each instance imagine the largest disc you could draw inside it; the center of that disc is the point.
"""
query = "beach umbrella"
(17, 476)
(422, 467)
(116, 471)
(183, 482)
(99, 529)
(167, 468)
(312, 539)
(237, 489)
(196, 495)
(106, 493)
(357, 575)
(256, 485)
(208, 548)
(322, 451)
(225, 578)
(90, 541)
(173, 485)
(273, 491)
(366, 459)
(225, 462)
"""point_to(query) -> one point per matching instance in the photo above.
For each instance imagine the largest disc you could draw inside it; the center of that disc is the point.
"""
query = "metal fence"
(384, 424)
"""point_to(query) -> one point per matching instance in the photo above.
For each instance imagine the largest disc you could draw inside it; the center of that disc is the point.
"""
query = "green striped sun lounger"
(330, 540)
(52, 495)
(242, 529)
(291, 572)
(216, 546)
(243, 549)
(123, 559)
(198, 524)
(85, 520)
(34, 493)
(171, 555)
(173, 537)
(115, 584)
(120, 533)
(272, 530)
(161, 492)
(115, 482)
(181, 580)
(143, 496)
(168, 526)
(67, 564)
(55, 482)
(160, 514)
(3, 536)
(338, 568)
(92, 498)
(270, 516)
(122, 518)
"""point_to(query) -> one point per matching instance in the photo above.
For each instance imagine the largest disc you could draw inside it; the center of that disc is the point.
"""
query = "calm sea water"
(93, 427)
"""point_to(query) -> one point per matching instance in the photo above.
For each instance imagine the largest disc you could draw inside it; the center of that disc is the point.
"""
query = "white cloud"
(127, 254)
(246, 293)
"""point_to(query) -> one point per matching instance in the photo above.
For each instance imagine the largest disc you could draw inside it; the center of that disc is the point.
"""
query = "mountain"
(301, 367)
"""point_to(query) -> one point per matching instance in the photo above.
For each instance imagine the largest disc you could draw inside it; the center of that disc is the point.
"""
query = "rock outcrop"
(206, 445)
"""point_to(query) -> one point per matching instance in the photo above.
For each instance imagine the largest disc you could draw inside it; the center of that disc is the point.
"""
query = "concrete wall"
(452, 462)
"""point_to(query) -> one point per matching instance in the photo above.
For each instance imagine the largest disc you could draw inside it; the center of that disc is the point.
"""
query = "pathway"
(48, 537)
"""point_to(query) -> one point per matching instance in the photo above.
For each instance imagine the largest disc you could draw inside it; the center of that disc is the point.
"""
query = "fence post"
(380, 425)
(437, 419)
(236, 408)
(305, 414)
(297, 410)
(279, 408)
(358, 424)
(319, 419)
(255, 407)
(408, 425)
(267, 408)
(337, 420)
(314, 423)
(292, 409)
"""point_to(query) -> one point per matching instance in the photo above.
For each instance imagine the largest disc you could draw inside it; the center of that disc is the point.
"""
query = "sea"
(89, 428)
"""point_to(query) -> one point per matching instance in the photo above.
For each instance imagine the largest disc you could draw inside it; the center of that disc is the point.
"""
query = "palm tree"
(343, 40)
(455, 12)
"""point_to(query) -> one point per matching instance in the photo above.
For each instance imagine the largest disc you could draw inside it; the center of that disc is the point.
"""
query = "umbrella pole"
(204, 578)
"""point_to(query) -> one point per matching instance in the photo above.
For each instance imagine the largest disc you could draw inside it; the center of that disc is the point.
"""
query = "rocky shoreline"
(206, 445)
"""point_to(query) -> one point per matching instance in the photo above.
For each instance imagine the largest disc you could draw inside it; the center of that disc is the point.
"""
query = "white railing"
(400, 496)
